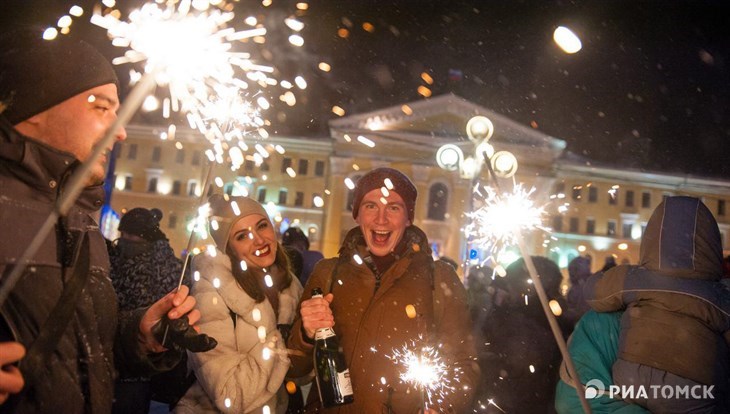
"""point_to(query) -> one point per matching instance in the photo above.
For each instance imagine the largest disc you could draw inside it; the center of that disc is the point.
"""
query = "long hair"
(248, 283)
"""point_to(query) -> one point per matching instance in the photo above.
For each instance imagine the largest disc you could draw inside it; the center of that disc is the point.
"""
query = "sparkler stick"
(580, 389)
(78, 181)
(201, 201)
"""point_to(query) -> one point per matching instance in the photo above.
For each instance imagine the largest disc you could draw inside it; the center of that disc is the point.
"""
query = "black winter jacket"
(79, 375)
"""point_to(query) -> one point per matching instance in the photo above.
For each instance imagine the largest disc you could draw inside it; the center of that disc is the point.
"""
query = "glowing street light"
(479, 128)
(567, 40)
(451, 157)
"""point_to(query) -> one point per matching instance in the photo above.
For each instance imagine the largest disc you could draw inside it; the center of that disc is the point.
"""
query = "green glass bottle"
(333, 376)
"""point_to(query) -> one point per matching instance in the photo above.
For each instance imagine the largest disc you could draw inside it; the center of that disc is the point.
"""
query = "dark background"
(649, 89)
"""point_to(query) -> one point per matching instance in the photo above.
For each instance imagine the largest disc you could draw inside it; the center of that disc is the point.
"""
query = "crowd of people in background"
(143, 269)
(505, 313)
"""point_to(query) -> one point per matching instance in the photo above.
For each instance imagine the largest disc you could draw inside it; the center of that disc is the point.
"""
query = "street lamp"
(501, 164)
(479, 129)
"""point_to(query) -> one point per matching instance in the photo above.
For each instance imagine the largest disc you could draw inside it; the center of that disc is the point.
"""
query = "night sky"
(649, 89)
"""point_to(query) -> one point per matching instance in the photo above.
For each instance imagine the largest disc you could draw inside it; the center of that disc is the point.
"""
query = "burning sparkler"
(499, 223)
(495, 225)
(424, 368)
(187, 47)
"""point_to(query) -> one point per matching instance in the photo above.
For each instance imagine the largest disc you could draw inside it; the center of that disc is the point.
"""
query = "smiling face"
(253, 239)
(383, 225)
(77, 124)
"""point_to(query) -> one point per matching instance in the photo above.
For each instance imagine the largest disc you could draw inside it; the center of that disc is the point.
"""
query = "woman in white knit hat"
(248, 298)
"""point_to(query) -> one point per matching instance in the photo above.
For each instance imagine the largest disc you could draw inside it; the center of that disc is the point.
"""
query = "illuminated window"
(629, 198)
(132, 154)
(590, 226)
(613, 198)
(626, 230)
(592, 194)
(646, 199)
(611, 228)
(285, 163)
(156, 154)
(577, 193)
(303, 167)
(437, 201)
(152, 185)
(319, 168)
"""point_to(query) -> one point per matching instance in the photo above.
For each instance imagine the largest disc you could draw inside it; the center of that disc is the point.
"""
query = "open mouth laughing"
(264, 251)
(381, 237)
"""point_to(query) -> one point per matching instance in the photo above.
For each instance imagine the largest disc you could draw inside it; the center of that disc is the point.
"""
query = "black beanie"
(143, 223)
(375, 179)
(294, 235)
(37, 74)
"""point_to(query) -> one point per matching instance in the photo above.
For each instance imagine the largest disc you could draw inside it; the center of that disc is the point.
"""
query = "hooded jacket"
(372, 323)
(78, 377)
(677, 316)
(248, 367)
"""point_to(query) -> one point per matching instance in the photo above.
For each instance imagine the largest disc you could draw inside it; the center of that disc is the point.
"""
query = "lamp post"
(502, 164)
(451, 157)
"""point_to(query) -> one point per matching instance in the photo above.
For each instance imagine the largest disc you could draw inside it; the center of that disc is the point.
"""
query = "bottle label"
(343, 379)
(323, 333)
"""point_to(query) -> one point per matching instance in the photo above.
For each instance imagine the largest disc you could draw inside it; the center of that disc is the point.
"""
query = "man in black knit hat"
(60, 97)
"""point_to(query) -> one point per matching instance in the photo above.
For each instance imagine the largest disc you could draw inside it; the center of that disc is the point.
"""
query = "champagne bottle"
(333, 376)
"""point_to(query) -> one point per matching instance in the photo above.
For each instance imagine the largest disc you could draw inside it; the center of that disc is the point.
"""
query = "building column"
(335, 205)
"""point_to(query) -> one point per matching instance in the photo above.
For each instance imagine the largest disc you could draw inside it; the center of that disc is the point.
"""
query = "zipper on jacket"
(371, 265)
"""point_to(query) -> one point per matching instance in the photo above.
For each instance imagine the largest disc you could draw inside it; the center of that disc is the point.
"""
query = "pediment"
(435, 121)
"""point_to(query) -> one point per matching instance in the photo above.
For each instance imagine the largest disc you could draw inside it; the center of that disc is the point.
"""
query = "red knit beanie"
(376, 179)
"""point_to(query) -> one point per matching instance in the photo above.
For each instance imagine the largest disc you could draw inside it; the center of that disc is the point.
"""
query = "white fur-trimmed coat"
(244, 372)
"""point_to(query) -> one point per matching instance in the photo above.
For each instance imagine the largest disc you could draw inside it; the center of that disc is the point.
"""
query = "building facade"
(307, 182)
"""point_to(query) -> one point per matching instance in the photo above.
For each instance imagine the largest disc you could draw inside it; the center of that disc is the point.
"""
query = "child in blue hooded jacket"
(675, 328)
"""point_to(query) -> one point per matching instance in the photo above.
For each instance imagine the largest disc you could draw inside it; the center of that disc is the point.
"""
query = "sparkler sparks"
(495, 225)
(424, 368)
(192, 50)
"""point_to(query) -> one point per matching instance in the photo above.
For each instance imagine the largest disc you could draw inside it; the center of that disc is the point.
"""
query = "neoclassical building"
(306, 182)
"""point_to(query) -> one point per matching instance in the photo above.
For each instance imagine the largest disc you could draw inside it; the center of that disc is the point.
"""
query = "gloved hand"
(180, 335)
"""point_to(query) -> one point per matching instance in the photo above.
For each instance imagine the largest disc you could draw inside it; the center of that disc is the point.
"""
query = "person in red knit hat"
(383, 292)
